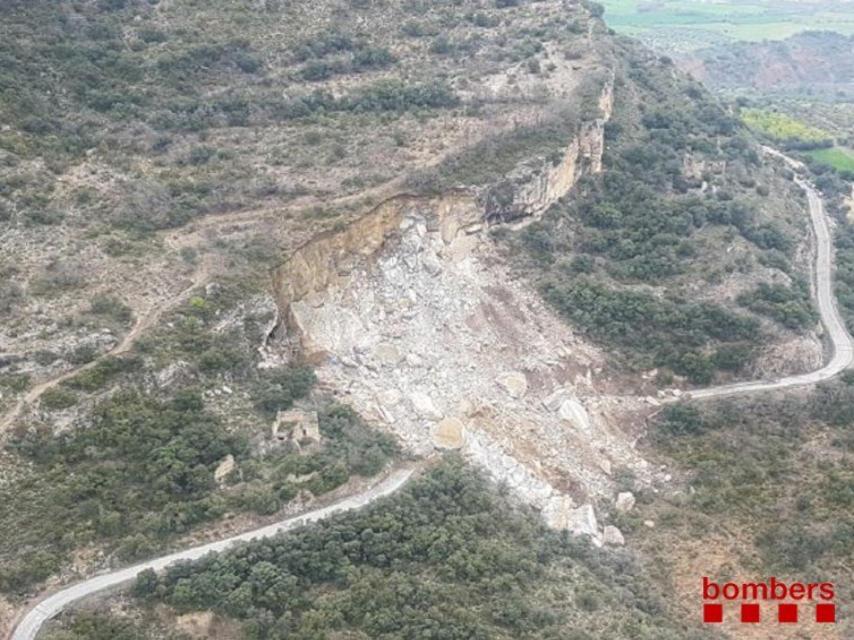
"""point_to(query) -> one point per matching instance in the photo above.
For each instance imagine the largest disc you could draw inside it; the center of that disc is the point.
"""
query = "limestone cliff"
(327, 259)
(411, 317)
(534, 190)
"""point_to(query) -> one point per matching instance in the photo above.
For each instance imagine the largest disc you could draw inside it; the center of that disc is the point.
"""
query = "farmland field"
(839, 158)
(783, 128)
(684, 25)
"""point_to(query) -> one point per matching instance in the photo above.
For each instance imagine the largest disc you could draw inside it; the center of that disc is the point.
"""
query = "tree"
(146, 584)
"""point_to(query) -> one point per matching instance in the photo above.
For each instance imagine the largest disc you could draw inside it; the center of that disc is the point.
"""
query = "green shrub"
(834, 403)
(103, 372)
(277, 389)
(82, 354)
(57, 399)
(111, 306)
(45, 217)
(34, 566)
(16, 382)
(11, 295)
(790, 306)
(682, 419)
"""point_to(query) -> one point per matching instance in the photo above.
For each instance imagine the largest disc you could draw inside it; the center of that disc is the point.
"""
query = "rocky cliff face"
(529, 191)
(410, 315)
(327, 260)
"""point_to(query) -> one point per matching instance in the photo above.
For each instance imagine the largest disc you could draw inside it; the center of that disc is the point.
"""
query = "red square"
(713, 613)
(825, 613)
(787, 613)
(750, 613)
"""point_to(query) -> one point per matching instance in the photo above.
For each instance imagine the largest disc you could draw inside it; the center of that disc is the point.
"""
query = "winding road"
(32, 622)
(842, 357)
(841, 344)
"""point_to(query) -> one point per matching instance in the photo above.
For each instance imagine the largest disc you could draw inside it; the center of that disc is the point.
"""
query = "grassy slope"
(840, 158)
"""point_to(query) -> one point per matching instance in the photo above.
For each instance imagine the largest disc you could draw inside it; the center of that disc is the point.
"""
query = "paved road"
(840, 340)
(842, 358)
(31, 624)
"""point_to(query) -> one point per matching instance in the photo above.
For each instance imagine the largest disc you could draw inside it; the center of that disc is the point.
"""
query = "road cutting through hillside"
(842, 356)
(840, 343)
(30, 625)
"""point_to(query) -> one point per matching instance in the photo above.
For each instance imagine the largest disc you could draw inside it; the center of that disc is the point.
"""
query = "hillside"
(256, 254)
(448, 558)
(812, 62)
(764, 483)
(678, 27)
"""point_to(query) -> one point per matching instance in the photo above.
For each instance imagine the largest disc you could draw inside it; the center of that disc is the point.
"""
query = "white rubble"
(613, 536)
(573, 412)
(625, 501)
(423, 405)
(514, 383)
(433, 339)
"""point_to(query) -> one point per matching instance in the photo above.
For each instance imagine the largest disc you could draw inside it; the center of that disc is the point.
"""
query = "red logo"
(794, 601)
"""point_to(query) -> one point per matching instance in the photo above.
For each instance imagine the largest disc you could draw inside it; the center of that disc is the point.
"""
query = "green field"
(840, 158)
(683, 25)
(783, 128)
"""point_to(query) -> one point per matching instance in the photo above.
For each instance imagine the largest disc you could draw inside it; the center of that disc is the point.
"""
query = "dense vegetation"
(671, 331)
(646, 222)
(448, 557)
(779, 471)
(143, 465)
(790, 306)
(143, 473)
(140, 471)
(845, 272)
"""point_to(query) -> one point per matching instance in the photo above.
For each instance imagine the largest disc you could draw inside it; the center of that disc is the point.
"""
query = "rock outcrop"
(534, 190)
(613, 536)
(328, 259)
